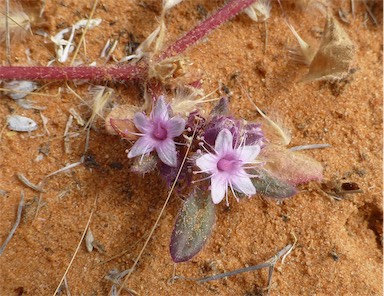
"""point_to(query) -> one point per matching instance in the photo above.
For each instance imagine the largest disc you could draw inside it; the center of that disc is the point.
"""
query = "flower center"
(228, 164)
(159, 132)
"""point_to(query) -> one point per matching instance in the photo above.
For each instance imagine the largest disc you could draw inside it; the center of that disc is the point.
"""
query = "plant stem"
(231, 9)
(124, 73)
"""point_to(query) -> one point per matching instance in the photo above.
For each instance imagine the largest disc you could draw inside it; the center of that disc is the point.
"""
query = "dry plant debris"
(17, 222)
(153, 73)
(334, 57)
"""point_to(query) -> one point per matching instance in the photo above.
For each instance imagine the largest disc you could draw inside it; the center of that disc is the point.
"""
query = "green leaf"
(269, 185)
(193, 226)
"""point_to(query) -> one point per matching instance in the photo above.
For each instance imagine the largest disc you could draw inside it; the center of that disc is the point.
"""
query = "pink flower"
(227, 167)
(157, 133)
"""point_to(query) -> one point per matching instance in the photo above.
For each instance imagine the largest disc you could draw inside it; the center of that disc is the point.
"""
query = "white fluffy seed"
(168, 4)
(21, 124)
(18, 89)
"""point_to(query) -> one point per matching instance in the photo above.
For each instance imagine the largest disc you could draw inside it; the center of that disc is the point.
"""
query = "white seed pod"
(304, 54)
(101, 96)
(168, 4)
(186, 100)
(18, 89)
(259, 11)
(89, 239)
(64, 47)
(334, 57)
(144, 47)
(21, 124)
(92, 23)
(18, 22)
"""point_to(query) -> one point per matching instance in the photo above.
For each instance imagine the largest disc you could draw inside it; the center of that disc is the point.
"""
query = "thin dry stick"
(66, 287)
(309, 146)
(7, 33)
(123, 252)
(38, 205)
(28, 183)
(77, 95)
(353, 8)
(78, 247)
(8, 90)
(84, 32)
(370, 13)
(269, 263)
(290, 250)
(13, 230)
(266, 36)
(67, 143)
(44, 120)
(161, 213)
(66, 168)
(284, 252)
(88, 135)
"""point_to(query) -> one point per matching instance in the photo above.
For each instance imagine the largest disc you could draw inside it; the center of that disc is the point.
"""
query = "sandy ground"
(339, 242)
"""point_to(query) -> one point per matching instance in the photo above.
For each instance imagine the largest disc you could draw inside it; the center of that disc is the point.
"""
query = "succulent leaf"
(193, 226)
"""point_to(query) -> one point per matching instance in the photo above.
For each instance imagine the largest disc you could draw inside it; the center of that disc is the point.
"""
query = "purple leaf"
(221, 108)
(193, 226)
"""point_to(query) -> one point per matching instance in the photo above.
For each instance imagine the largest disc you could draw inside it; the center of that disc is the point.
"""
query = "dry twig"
(13, 230)
(269, 263)
(28, 183)
(77, 248)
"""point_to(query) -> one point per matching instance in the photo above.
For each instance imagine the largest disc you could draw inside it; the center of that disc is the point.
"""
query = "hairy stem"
(231, 9)
(125, 73)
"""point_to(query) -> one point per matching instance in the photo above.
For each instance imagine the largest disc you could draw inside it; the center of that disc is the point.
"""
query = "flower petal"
(175, 126)
(223, 141)
(166, 150)
(160, 111)
(218, 188)
(142, 123)
(248, 153)
(142, 146)
(207, 162)
(243, 183)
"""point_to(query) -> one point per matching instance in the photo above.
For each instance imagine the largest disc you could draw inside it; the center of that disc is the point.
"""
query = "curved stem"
(232, 8)
(127, 72)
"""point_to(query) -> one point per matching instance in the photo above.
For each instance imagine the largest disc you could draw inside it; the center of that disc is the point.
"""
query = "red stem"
(126, 73)
(231, 9)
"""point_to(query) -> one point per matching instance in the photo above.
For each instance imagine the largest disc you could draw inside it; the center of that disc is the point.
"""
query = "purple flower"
(217, 124)
(157, 133)
(254, 134)
(227, 167)
(251, 132)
